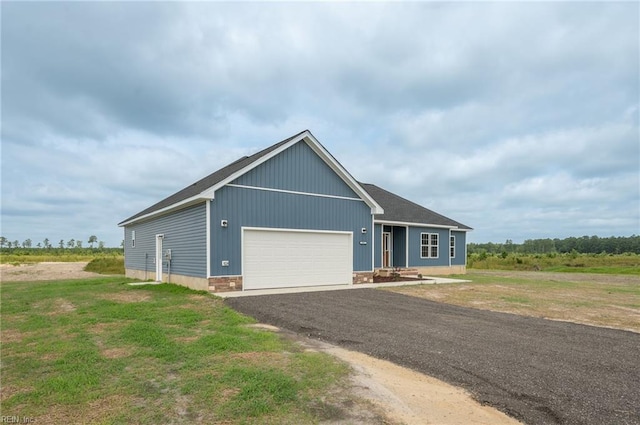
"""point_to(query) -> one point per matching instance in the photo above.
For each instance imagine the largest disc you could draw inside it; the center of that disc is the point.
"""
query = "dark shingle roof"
(395, 207)
(399, 209)
(212, 179)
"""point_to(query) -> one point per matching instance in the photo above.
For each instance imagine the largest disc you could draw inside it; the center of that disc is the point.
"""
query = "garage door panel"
(278, 259)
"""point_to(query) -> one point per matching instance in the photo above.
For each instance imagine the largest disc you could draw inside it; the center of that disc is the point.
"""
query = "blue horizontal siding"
(258, 208)
(185, 234)
(299, 169)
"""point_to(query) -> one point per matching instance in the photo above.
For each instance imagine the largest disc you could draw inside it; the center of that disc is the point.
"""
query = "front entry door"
(158, 261)
(386, 250)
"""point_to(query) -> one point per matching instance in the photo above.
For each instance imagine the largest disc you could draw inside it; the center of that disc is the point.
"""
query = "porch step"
(400, 271)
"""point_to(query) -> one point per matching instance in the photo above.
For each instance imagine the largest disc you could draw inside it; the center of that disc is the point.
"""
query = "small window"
(133, 239)
(452, 246)
(428, 245)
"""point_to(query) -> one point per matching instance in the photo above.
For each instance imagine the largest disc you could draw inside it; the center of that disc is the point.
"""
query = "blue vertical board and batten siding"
(414, 243)
(377, 246)
(184, 234)
(298, 169)
(399, 243)
(243, 207)
(460, 258)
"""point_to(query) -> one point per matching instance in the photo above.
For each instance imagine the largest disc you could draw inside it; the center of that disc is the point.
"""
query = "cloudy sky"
(517, 119)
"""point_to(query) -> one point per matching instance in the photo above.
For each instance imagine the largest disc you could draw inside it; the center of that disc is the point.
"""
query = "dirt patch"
(97, 411)
(11, 335)
(127, 297)
(386, 393)
(44, 271)
(101, 328)
(8, 391)
(61, 306)
(115, 353)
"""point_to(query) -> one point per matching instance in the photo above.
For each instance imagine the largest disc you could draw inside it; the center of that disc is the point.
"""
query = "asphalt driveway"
(538, 371)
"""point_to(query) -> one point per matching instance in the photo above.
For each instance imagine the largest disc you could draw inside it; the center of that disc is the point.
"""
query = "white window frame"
(133, 239)
(452, 246)
(430, 245)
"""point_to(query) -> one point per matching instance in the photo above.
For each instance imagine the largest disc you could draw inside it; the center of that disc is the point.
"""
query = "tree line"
(580, 245)
(48, 244)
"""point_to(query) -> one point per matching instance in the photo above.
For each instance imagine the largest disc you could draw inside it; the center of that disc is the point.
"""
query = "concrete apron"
(253, 292)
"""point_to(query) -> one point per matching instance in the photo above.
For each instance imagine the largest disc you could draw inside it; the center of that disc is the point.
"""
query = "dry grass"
(599, 300)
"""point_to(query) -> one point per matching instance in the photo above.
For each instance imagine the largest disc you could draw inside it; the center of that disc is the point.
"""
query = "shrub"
(106, 265)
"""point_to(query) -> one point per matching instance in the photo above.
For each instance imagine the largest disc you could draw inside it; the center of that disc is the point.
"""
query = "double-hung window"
(428, 245)
(452, 246)
(133, 239)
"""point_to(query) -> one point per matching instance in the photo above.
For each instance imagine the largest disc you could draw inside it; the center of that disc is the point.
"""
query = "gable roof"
(398, 209)
(205, 188)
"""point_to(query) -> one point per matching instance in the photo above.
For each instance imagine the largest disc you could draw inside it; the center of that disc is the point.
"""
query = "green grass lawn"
(101, 351)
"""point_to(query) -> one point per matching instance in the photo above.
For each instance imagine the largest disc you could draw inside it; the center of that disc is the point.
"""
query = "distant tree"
(92, 239)
(78, 243)
(46, 243)
(122, 244)
(3, 241)
(101, 245)
(9, 244)
(61, 243)
(39, 245)
(16, 244)
(71, 243)
(26, 243)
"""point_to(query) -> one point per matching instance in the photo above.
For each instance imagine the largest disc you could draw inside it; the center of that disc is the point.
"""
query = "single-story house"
(289, 215)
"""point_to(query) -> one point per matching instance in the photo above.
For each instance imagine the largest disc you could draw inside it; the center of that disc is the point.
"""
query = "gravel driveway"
(538, 371)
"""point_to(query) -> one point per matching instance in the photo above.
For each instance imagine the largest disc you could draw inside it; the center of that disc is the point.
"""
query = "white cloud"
(518, 119)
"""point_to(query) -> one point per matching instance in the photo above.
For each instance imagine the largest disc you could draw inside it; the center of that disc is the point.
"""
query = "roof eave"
(410, 223)
(162, 211)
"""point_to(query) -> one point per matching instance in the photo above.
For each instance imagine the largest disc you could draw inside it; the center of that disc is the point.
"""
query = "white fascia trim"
(405, 224)
(373, 244)
(178, 205)
(293, 192)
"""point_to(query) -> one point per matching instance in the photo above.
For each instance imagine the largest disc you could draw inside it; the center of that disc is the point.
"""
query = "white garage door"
(284, 258)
